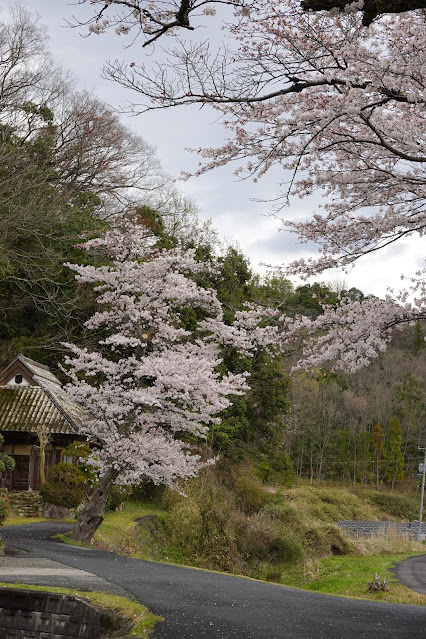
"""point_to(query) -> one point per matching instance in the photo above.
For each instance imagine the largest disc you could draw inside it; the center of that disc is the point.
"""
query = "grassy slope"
(308, 509)
(303, 516)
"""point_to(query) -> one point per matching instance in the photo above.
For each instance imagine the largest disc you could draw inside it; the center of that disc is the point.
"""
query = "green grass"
(142, 621)
(115, 532)
(305, 514)
(349, 575)
(16, 520)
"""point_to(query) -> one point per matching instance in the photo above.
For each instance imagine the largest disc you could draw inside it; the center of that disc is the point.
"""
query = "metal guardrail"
(373, 528)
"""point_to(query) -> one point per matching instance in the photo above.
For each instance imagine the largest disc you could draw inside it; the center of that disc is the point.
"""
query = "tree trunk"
(92, 515)
(319, 474)
(42, 465)
(43, 440)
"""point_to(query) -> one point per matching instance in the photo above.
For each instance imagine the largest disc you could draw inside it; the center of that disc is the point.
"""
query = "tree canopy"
(339, 107)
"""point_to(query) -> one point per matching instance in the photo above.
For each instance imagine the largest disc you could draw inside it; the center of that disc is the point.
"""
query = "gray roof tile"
(29, 408)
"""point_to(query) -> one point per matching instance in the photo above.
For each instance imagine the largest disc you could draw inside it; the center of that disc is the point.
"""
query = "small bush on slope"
(395, 504)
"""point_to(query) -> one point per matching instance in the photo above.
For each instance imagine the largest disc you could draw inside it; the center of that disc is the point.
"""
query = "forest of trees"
(68, 170)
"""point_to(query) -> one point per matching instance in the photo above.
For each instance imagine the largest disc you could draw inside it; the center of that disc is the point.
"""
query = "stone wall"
(27, 504)
(29, 614)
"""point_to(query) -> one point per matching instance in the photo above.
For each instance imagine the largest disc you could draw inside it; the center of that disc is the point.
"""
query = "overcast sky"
(219, 196)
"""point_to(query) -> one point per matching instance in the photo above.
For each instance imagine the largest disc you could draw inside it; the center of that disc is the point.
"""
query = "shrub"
(66, 473)
(59, 494)
(327, 540)
(264, 471)
(117, 496)
(82, 452)
(262, 539)
(4, 506)
(250, 496)
(147, 491)
(64, 487)
(282, 512)
(394, 504)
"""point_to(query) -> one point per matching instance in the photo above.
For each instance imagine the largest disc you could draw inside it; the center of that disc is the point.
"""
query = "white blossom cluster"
(150, 377)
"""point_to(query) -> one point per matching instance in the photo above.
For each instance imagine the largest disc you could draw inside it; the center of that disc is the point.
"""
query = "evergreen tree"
(393, 458)
(418, 343)
(378, 444)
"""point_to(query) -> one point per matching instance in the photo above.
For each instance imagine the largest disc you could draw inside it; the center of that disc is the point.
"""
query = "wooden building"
(32, 407)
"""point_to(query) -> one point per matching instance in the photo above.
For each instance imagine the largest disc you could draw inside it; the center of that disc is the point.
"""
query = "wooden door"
(19, 477)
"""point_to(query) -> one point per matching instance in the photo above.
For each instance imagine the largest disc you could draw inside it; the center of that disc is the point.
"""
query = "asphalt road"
(412, 573)
(198, 604)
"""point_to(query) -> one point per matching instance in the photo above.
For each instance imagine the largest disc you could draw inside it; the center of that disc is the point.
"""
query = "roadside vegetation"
(230, 521)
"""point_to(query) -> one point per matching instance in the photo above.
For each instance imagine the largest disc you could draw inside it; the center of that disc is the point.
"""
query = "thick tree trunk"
(92, 515)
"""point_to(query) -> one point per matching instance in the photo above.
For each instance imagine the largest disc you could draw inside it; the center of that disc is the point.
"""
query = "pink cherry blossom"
(150, 379)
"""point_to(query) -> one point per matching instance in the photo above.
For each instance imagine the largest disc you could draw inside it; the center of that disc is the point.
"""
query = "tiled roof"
(28, 408)
(40, 372)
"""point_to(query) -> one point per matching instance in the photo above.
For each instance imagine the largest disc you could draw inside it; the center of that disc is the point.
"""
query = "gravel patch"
(16, 568)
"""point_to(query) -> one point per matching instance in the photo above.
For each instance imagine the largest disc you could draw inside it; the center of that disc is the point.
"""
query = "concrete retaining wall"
(29, 614)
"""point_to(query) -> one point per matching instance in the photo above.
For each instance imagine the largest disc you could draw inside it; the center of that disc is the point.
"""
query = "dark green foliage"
(6, 461)
(277, 292)
(393, 461)
(262, 540)
(117, 497)
(4, 506)
(234, 284)
(354, 294)
(264, 471)
(66, 473)
(40, 301)
(250, 495)
(147, 491)
(395, 505)
(327, 540)
(418, 339)
(254, 423)
(279, 468)
(66, 495)
(152, 220)
(64, 487)
(308, 298)
(413, 340)
(81, 452)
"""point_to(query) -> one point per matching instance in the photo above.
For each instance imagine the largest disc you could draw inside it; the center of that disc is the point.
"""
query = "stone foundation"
(29, 614)
(26, 504)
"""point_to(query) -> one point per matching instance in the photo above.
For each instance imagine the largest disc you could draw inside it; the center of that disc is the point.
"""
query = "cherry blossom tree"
(340, 108)
(152, 388)
(153, 19)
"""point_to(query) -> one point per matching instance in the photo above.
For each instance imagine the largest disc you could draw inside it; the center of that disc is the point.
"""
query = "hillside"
(233, 523)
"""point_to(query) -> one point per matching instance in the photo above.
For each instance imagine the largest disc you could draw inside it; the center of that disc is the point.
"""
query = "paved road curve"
(202, 605)
(412, 573)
